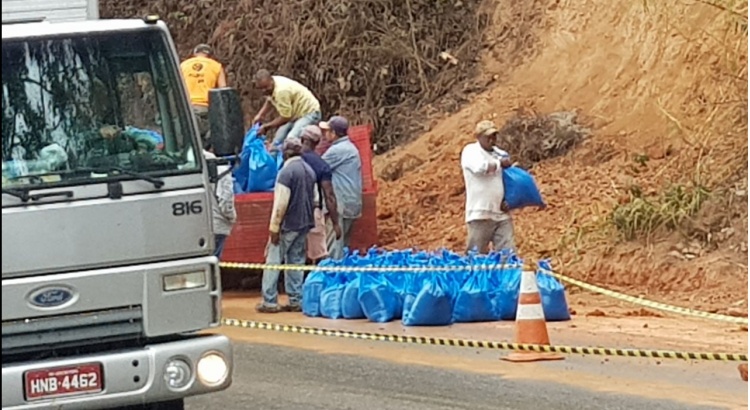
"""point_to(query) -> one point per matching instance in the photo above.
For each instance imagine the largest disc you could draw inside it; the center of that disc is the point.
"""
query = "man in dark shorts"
(292, 218)
(316, 240)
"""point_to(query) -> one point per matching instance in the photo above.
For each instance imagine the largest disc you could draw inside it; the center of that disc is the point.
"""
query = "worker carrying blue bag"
(489, 199)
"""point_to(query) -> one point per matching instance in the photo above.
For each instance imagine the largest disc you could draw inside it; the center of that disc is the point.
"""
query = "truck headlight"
(177, 374)
(182, 281)
(212, 369)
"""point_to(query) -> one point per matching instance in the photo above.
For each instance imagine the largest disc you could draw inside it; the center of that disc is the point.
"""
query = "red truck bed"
(247, 242)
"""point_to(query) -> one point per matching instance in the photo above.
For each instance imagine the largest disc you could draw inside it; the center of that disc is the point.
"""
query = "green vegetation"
(642, 216)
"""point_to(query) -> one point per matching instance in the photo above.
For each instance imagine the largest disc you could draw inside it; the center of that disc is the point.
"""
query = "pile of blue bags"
(452, 288)
(257, 167)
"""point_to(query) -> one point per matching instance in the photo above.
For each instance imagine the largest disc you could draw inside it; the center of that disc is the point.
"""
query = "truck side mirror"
(213, 165)
(213, 170)
(226, 120)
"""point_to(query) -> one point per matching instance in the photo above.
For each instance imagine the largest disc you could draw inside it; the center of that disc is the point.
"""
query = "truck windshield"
(78, 104)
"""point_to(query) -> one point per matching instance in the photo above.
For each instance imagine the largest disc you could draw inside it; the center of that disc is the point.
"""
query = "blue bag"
(332, 295)
(258, 169)
(311, 290)
(350, 306)
(262, 167)
(433, 304)
(461, 273)
(554, 304)
(379, 300)
(413, 285)
(520, 189)
(477, 300)
(480, 297)
(385, 300)
(397, 282)
(508, 285)
(409, 283)
(242, 172)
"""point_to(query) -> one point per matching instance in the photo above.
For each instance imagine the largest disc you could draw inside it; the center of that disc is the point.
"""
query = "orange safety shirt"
(201, 75)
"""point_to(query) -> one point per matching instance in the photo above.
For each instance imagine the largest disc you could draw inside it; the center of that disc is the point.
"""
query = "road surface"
(289, 378)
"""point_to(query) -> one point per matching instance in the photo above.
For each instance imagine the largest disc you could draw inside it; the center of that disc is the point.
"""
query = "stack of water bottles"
(426, 288)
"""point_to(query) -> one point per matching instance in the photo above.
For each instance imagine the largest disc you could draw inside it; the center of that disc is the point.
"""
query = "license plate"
(63, 381)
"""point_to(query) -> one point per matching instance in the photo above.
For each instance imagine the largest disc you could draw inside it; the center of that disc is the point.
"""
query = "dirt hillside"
(663, 88)
(375, 61)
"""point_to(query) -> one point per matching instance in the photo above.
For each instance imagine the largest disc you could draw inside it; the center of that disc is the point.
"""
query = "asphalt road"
(270, 377)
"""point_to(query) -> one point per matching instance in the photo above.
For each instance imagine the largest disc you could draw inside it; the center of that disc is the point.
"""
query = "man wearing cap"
(346, 167)
(316, 240)
(295, 105)
(202, 73)
(487, 217)
(291, 219)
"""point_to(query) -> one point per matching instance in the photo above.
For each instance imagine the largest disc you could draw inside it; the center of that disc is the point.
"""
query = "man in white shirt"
(487, 217)
(222, 204)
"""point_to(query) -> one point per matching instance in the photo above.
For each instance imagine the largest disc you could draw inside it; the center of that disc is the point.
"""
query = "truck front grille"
(56, 335)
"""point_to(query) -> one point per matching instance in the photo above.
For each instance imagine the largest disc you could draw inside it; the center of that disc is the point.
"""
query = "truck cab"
(108, 276)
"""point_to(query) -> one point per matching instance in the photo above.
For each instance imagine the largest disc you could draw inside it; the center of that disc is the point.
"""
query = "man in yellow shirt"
(202, 73)
(295, 104)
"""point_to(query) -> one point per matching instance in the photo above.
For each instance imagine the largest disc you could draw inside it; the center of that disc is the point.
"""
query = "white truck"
(108, 273)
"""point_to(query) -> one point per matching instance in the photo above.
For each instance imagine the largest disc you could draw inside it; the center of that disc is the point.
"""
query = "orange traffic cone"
(531, 327)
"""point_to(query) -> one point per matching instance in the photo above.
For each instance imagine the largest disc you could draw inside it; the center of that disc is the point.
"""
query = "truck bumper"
(130, 377)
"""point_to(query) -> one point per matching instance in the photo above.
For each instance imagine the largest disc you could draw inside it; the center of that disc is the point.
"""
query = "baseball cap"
(485, 127)
(312, 132)
(337, 124)
(292, 144)
(203, 48)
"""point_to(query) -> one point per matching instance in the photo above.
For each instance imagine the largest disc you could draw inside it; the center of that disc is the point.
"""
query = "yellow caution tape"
(648, 303)
(440, 341)
(617, 295)
(361, 269)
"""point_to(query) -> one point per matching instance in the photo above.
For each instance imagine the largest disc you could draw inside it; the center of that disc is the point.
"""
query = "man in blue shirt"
(346, 167)
(291, 220)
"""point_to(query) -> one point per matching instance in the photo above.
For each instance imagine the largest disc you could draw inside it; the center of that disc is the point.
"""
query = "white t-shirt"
(484, 190)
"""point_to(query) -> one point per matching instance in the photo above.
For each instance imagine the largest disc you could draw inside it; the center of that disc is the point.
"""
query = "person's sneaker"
(292, 308)
(261, 308)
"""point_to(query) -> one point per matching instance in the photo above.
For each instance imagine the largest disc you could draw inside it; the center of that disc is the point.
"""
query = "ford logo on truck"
(51, 296)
